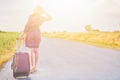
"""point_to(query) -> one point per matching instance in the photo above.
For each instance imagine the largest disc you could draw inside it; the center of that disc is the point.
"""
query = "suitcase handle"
(23, 43)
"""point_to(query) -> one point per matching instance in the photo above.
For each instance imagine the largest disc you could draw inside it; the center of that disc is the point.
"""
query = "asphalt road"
(66, 60)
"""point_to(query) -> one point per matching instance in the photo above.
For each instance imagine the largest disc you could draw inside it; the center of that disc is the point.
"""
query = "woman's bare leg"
(31, 60)
(36, 55)
(34, 58)
(32, 55)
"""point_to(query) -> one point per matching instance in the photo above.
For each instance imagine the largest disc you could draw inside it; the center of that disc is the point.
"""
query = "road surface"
(66, 60)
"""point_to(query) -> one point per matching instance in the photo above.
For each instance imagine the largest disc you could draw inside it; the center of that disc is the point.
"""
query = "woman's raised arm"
(47, 16)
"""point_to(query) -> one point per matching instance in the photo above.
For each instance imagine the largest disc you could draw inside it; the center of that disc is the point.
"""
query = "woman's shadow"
(24, 78)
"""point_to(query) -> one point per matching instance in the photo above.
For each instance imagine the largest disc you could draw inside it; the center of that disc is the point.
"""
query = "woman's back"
(34, 22)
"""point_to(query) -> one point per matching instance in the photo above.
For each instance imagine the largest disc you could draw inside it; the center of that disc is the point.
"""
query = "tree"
(88, 28)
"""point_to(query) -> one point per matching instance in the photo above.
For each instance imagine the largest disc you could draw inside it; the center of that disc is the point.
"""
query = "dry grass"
(102, 39)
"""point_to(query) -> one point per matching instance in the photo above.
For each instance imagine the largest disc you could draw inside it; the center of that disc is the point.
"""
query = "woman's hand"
(22, 35)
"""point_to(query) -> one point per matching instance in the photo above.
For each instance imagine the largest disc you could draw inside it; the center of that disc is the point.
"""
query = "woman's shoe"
(32, 70)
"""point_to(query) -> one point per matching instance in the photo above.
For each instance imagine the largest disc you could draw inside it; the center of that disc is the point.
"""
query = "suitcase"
(21, 62)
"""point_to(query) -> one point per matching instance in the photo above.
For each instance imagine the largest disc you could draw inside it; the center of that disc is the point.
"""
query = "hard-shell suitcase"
(21, 62)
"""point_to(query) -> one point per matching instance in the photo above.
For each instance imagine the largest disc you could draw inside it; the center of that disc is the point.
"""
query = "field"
(7, 45)
(101, 39)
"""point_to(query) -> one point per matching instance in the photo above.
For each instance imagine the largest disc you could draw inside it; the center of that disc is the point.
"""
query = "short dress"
(33, 39)
(33, 35)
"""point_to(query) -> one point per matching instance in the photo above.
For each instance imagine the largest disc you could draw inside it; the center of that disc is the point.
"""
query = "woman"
(32, 33)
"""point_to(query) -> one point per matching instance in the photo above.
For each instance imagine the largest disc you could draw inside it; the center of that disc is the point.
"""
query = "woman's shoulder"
(32, 17)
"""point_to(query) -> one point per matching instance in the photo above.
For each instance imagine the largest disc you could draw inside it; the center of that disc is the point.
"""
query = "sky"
(67, 15)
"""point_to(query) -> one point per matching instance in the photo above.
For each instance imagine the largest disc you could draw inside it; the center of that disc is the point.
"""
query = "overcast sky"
(70, 15)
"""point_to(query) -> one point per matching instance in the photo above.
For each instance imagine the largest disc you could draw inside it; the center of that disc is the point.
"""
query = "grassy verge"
(102, 39)
(7, 46)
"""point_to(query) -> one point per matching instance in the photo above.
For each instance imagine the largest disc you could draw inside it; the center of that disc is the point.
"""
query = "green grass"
(7, 45)
(102, 39)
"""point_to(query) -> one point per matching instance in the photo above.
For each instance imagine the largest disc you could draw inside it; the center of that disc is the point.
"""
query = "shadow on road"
(24, 78)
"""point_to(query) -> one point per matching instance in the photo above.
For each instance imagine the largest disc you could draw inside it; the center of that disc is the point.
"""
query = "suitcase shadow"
(24, 78)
